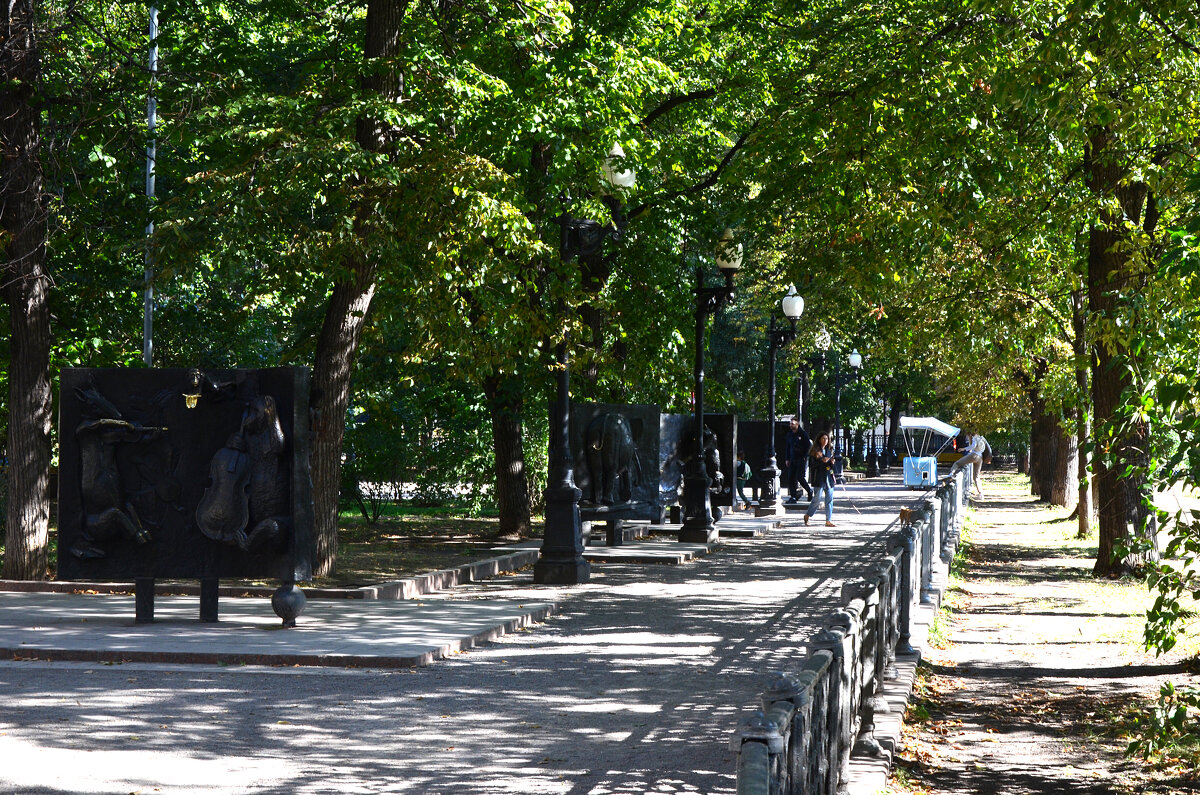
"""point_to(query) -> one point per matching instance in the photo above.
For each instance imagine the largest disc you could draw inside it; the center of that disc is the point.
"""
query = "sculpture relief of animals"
(108, 513)
(612, 459)
(245, 501)
(712, 461)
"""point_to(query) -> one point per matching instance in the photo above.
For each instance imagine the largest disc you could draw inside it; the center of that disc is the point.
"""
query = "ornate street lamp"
(698, 526)
(872, 455)
(839, 380)
(561, 560)
(883, 443)
(777, 337)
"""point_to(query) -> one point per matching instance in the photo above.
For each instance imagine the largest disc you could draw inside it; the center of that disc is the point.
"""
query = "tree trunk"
(1037, 450)
(895, 441)
(1083, 505)
(1040, 437)
(1060, 485)
(505, 397)
(26, 288)
(1109, 267)
(1055, 466)
(1108, 379)
(1053, 470)
(345, 314)
(1138, 493)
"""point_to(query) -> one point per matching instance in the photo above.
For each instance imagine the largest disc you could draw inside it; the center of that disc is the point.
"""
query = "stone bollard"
(924, 524)
(888, 571)
(759, 746)
(786, 701)
(904, 542)
(836, 641)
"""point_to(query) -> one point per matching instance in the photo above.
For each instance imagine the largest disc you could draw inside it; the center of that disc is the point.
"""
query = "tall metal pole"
(837, 409)
(151, 154)
(771, 470)
(561, 560)
(698, 525)
(804, 395)
(769, 504)
(698, 373)
(873, 456)
(884, 463)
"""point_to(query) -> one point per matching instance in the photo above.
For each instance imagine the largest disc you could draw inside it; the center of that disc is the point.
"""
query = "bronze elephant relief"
(612, 460)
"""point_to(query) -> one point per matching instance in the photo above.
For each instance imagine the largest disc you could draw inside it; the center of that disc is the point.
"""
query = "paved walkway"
(633, 683)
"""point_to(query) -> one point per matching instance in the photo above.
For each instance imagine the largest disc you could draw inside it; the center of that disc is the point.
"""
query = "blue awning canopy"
(927, 427)
(929, 424)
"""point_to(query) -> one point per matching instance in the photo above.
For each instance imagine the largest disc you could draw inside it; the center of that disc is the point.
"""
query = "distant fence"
(799, 743)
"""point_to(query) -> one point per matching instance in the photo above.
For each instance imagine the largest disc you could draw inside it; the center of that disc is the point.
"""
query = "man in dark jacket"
(796, 447)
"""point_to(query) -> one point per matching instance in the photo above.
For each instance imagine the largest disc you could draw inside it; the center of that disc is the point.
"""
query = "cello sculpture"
(245, 501)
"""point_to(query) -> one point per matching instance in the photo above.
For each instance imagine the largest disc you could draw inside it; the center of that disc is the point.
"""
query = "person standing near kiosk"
(796, 446)
(979, 452)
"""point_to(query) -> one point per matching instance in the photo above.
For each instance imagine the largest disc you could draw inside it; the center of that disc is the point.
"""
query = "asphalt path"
(634, 686)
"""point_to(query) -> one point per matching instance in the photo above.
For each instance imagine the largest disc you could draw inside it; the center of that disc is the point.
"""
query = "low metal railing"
(799, 742)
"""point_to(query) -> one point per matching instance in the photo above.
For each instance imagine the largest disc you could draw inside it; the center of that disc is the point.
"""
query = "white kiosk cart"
(921, 436)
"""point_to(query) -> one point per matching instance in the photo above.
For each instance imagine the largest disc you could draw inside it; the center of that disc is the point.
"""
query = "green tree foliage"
(919, 170)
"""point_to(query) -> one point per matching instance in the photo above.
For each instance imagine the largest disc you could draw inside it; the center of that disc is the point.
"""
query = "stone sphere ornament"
(288, 602)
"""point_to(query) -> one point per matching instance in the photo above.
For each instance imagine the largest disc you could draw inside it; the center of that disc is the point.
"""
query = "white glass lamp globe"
(617, 179)
(793, 304)
(729, 253)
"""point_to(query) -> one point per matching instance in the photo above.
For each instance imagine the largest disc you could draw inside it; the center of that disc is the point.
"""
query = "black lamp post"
(884, 455)
(561, 561)
(698, 526)
(777, 337)
(872, 456)
(839, 380)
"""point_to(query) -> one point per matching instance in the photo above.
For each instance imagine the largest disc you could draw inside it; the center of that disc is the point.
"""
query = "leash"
(848, 500)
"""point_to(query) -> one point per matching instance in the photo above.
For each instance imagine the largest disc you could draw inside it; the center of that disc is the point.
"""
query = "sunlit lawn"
(404, 542)
(1117, 607)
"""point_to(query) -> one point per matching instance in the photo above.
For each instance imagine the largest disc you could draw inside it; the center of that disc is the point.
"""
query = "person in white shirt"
(978, 450)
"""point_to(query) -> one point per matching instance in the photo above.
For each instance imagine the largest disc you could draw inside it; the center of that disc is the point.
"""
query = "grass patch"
(409, 509)
(963, 553)
(923, 698)
(953, 596)
(404, 543)
(938, 636)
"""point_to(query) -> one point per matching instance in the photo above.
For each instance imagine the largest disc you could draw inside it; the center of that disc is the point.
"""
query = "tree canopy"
(994, 201)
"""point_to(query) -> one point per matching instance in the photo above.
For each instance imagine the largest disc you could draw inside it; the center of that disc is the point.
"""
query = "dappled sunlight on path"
(634, 686)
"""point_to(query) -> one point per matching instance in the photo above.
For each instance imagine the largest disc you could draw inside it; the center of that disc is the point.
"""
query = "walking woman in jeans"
(821, 477)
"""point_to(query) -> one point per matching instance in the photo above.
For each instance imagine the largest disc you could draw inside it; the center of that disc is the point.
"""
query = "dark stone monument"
(725, 427)
(184, 474)
(752, 439)
(629, 459)
(615, 447)
(676, 432)
(677, 437)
